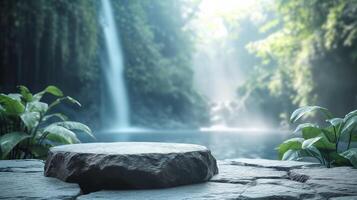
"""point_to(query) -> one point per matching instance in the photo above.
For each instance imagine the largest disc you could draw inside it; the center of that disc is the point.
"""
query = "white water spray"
(116, 115)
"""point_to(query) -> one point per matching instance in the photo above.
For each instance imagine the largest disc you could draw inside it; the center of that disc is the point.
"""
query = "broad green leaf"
(30, 119)
(350, 124)
(351, 155)
(329, 132)
(25, 92)
(11, 105)
(72, 100)
(57, 115)
(54, 91)
(60, 135)
(338, 160)
(349, 129)
(335, 121)
(2, 110)
(299, 154)
(49, 89)
(307, 152)
(68, 98)
(324, 143)
(291, 144)
(76, 126)
(298, 113)
(305, 125)
(309, 142)
(37, 96)
(310, 132)
(15, 96)
(335, 129)
(39, 151)
(37, 106)
(350, 114)
(10, 140)
(312, 151)
(354, 138)
(291, 155)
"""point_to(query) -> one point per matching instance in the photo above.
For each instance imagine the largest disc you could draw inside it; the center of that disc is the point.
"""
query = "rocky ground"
(237, 179)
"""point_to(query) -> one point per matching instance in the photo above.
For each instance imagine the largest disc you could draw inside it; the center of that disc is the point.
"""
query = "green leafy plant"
(330, 144)
(28, 127)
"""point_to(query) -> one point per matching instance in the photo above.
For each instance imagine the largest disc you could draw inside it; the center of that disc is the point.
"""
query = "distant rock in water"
(130, 165)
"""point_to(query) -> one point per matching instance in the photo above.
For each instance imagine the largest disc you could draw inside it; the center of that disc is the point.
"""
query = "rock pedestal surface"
(241, 179)
(256, 179)
(130, 165)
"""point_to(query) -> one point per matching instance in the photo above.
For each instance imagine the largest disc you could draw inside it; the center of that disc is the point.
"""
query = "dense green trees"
(304, 52)
(59, 42)
(309, 58)
(157, 56)
(42, 39)
(50, 42)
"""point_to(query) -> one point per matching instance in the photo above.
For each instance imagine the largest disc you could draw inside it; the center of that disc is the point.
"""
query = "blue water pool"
(223, 144)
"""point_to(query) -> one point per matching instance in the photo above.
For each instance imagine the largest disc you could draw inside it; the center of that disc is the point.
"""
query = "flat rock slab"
(287, 189)
(246, 174)
(209, 191)
(245, 179)
(23, 179)
(277, 164)
(329, 182)
(255, 179)
(279, 189)
(344, 198)
(25, 166)
(130, 165)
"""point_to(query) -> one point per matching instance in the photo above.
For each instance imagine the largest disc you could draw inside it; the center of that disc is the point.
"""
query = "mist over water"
(218, 71)
(115, 113)
(216, 76)
(215, 73)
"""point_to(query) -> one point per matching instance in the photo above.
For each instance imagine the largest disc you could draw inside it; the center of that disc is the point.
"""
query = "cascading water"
(115, 113)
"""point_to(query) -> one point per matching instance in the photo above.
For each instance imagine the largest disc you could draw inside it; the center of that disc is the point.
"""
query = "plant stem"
(323, 159)
(324, 162)
(349, 141)
(334, 130)
(336, 139)
(328, 164)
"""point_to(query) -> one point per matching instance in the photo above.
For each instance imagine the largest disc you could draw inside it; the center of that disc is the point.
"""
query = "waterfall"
(115, 112)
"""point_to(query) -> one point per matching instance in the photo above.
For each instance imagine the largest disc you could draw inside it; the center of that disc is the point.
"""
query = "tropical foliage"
(158, 67)
(289, 56)
(44, 38)
(308, 57)
(330, 144)
(28, 127)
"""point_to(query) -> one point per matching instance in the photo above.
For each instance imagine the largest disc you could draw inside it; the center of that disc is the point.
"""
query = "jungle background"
(294, 53)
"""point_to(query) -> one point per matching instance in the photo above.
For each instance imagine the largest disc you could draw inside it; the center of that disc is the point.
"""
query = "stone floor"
(237, 179)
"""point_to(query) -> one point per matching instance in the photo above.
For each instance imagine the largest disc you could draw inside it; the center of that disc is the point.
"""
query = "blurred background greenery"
(284, 54)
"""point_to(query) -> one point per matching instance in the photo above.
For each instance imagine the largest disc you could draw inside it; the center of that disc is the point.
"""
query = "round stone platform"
(130, 165)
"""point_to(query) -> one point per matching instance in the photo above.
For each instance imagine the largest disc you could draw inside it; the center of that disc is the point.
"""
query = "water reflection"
(223, 144)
